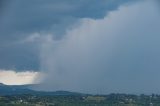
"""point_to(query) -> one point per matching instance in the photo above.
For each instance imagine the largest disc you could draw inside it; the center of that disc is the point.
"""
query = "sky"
(11, 77)
(87, 46)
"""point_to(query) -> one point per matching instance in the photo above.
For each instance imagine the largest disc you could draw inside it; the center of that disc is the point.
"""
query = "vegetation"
(81, 100)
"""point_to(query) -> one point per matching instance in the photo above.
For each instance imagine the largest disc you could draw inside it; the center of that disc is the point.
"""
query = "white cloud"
(11, 77)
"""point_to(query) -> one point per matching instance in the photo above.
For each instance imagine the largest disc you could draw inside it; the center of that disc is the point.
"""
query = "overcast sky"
(86, 46)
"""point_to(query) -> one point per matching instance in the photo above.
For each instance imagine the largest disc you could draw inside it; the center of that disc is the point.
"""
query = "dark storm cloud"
(3, 4)
(21, 18)
(28, 17)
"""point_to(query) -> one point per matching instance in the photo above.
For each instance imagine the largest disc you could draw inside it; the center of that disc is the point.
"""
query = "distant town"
(22, 95)
(80, 100)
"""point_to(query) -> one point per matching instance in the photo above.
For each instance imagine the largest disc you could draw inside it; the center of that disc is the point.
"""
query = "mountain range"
(26, 89)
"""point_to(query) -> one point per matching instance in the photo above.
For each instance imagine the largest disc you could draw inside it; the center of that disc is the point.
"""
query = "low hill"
(25, 89)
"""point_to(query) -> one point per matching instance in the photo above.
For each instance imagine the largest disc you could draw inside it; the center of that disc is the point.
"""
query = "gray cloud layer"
(84, 45)
(119, 53)
(20, 18)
